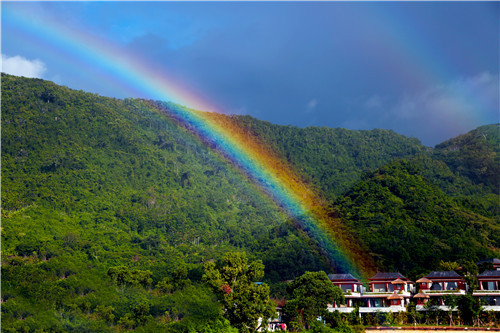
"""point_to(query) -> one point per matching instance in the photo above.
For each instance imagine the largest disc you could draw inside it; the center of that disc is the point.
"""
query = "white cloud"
(462, 100)
(445, 111)
(21, 66)
(374, 102)
(311, 105)
(433, 114)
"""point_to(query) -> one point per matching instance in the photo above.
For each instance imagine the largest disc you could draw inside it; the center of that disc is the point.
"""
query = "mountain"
(412, 206)
(95, 186)
(475, 155)
(90, 183)
(333, 159)
(410, 224)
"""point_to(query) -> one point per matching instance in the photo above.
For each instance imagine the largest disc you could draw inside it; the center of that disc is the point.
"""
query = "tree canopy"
(310, 295)
(244, 298)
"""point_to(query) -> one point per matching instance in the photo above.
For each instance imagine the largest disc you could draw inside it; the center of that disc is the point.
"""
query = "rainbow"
(246, 151)
(415, 62)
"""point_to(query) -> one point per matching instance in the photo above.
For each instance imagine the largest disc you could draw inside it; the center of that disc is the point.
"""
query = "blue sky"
(423, 69)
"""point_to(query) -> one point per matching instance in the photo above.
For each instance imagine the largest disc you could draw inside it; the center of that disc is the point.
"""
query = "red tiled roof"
(423, 280)
(395, 296)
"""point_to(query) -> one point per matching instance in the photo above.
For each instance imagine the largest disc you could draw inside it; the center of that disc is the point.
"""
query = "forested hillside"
(110, 208)
(333, 159)
(475, 155)
(91, 183)
(411, 205)
(410, 224)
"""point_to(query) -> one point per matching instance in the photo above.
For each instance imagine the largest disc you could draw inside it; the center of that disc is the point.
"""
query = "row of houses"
(392, 292)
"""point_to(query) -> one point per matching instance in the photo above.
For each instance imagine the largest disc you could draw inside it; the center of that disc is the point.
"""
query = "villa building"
(346, 282)
(351, 287)
(489, 289)
(443, 283)
(388, 292)
(392, 292)
(446, 281)
(389, 282)
(438, 284)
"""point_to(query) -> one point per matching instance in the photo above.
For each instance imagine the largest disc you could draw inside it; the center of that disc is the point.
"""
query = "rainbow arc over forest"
(245, 150)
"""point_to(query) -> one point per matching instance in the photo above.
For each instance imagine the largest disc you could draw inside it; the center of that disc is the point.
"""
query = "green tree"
(127, 321)
(470, 309)
(311, 294)
(141, 312)
(199, 312)
(244, 301)
(451, 302)
(125, 275)
(448, 266)
(413, 314)
(106, 312)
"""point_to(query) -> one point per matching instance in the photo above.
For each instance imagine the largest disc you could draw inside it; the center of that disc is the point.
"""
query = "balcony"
(385, 293)
(392, 308)
(486, 293)
(444, 292)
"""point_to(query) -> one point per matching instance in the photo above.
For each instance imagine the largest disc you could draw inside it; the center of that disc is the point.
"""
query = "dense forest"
(111, 209)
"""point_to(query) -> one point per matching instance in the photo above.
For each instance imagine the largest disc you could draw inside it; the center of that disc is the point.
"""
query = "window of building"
(437, 286)
(451, 286)
(346, 287)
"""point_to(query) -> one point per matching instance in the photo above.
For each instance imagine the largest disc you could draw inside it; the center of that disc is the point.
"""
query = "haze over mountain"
(90, 183)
